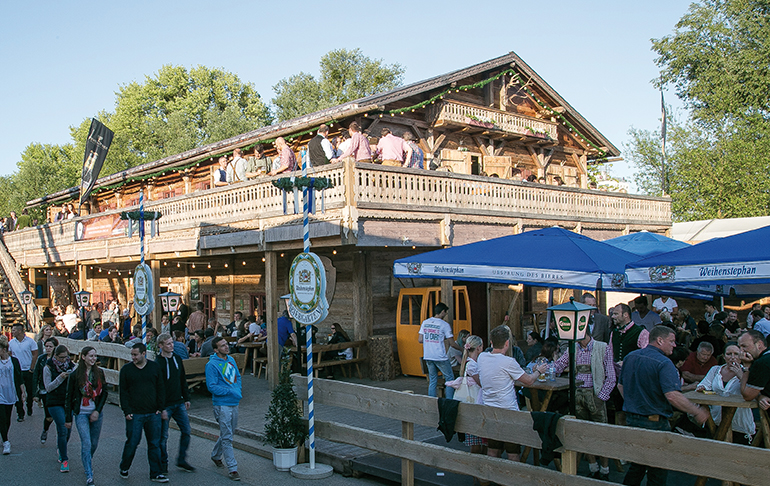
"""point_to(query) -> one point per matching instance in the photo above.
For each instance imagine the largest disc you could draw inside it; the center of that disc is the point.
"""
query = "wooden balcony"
(472, 116)
(251, 213)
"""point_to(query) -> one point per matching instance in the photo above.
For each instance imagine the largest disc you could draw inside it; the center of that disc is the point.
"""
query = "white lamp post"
(572, 322)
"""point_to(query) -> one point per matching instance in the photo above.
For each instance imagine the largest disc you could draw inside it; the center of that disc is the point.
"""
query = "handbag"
(466, 393)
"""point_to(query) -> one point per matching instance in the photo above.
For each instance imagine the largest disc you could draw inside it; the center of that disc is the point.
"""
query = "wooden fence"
(699, 457)
(112, 356)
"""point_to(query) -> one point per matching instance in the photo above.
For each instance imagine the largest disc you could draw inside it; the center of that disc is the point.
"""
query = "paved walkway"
(34, 463)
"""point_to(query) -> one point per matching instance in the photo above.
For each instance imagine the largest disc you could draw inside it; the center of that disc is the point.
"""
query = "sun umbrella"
(646, 244)
(550, 257)
(740, 262)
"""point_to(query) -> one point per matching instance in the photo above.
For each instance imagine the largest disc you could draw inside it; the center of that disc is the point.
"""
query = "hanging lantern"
(170, 301)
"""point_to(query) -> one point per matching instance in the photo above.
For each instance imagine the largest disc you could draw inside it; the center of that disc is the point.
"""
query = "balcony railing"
(397, 191)
(460, 113)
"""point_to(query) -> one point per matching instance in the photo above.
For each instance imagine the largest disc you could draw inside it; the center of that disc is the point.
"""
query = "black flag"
(97, 145)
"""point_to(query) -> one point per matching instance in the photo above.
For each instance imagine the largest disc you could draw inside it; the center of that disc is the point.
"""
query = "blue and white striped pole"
(141, 252)
(309, 328)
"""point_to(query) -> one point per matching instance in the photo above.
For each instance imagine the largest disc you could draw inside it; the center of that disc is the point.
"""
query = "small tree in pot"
(284, 426)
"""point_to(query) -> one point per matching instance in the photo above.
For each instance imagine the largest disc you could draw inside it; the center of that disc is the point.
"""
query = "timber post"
(271, 304)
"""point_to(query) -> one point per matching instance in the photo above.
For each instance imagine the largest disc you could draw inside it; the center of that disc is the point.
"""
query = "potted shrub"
(284, 424)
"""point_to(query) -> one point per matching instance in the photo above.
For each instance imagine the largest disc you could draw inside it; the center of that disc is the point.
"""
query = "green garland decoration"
(287, 184)
(134, 215)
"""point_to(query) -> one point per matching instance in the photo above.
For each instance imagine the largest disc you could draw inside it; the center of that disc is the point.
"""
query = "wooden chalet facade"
(230, 247)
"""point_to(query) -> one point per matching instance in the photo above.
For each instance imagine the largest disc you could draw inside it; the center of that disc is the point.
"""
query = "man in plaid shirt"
(594, 366)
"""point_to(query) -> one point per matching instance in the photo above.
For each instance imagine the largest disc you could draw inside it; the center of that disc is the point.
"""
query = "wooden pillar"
(407, 466)
(187, 178)
(363, 316)
(447, 297)
(158, 309)
(82, 277)
(271, 309)
(232, 289)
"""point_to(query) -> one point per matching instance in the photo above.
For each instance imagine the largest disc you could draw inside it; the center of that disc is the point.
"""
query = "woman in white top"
(11, 390)
(473, 347)
(725, 380)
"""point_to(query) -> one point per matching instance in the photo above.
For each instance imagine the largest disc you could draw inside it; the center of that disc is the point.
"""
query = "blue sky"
(62, 62)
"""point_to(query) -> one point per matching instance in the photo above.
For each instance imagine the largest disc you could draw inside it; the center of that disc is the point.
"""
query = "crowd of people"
(40, 372)
(634, 365)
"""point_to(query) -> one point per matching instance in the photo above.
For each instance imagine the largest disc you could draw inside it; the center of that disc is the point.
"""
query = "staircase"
(10, 309)
(11, 285)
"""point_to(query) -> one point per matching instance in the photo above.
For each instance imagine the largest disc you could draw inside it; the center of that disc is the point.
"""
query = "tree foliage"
(177, 110)
(706, 177)
(717, 60)
(173, 111)
(717, 159)
(345, 75)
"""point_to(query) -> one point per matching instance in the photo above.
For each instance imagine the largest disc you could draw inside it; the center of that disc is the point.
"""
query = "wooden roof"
(352, 108)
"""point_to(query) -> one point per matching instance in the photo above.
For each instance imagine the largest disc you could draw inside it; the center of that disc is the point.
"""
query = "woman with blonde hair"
(11, 390)
(473, 347)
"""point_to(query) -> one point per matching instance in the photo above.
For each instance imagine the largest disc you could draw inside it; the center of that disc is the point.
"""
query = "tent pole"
(548, 314)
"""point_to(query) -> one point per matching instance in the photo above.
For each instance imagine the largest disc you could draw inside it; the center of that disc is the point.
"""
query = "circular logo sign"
(143, 301)
(307, 284)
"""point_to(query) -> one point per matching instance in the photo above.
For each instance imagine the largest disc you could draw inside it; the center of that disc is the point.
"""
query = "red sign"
(101, 227)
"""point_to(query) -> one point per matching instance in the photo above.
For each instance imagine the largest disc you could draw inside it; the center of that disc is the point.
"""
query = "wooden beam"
(481, 145)
(271, 304)
(499, 150)
(498, 470)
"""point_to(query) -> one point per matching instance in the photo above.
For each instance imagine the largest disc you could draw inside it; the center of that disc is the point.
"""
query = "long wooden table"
(730, 404)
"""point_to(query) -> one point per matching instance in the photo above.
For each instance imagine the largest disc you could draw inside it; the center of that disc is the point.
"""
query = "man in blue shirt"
(650, 386)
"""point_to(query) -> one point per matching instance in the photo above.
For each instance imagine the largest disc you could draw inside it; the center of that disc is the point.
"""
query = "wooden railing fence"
(699, 457)
(368, 186)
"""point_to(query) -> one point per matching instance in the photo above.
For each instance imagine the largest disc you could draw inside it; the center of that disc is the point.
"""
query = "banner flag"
(97, 145)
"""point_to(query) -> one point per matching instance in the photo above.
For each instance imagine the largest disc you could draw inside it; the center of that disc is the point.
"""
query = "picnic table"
(730, 404)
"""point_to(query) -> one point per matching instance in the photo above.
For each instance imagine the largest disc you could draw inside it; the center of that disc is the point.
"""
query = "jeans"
(89, 439)
(62, 432)
(228, 421)
(446, 369)
(636, 472)
(28, 381)
(179, 414)
(150, 423)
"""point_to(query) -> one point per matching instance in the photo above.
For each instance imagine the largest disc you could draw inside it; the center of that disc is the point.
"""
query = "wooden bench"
(320, 349)
(195, 369)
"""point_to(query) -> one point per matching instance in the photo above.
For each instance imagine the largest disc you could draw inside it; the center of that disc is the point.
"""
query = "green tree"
(177, 110)
(716, 164)
(717, 60)
(346, 75)
(707, 177)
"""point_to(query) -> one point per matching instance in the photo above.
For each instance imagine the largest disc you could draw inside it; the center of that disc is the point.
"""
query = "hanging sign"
(143, 299)
(307, 284)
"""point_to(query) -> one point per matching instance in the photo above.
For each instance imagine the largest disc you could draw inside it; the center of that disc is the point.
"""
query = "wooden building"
(230, 247)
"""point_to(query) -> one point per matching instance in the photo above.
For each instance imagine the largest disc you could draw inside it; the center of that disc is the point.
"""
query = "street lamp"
(83, 298)
(170, 301)
(571, 321)
(26, 297)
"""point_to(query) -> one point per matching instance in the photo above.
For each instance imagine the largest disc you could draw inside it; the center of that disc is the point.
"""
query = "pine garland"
(287, 184)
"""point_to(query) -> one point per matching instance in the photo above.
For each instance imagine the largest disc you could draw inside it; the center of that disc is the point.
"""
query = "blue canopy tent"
(740, 263)
(646, 244)
(550, 257)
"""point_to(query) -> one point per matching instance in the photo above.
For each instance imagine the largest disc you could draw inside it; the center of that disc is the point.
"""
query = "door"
(414, 306)
(209, 305)
(409, 316)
